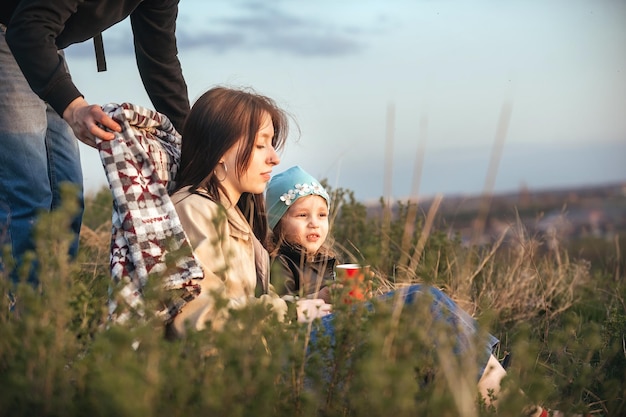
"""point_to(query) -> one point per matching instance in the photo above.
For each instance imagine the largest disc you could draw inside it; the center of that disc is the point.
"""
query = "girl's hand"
(309, 310)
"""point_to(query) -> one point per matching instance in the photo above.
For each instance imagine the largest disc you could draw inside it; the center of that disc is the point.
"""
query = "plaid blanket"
(148, 241)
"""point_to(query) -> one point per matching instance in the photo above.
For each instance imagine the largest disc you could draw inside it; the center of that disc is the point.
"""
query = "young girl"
(298, 211)
(303, 263)
(229, 150)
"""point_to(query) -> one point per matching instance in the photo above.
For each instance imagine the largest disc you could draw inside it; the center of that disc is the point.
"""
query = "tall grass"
(562, 319)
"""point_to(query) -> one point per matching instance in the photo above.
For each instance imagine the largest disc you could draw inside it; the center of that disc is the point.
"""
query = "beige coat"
(231, 256)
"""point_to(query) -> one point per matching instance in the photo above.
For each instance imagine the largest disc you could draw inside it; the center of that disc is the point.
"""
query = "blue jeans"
(442, 308)
(38, 152)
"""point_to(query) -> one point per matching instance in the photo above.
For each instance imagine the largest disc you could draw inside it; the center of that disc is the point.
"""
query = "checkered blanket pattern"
(147, 239)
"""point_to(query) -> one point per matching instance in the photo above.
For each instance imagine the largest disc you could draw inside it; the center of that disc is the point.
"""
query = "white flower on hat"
(318, 189)
(302, 190)
(288, 197)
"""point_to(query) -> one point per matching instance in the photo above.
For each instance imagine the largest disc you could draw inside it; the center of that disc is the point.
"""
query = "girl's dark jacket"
(295, 275)
(37, 29)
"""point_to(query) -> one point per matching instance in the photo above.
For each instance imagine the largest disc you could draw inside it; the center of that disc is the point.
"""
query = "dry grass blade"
(411, 216)
(96, 245)
(386, 223)
(526, 286)
(489, 256)
(428, 224)
(492, 172)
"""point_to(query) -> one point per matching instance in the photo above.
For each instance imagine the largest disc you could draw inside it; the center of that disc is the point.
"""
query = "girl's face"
(306, 223)
(264, 157)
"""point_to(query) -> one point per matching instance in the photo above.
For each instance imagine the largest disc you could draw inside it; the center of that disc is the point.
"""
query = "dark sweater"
(292, 274)
(37, 29)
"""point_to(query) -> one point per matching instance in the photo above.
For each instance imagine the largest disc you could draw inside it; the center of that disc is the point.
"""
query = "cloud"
(251, 26)
(260, 26)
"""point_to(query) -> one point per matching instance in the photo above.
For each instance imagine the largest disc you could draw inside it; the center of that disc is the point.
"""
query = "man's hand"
(87, 121)
(309, 310)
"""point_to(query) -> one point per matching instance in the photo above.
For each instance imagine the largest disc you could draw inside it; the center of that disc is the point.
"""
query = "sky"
(404, 98)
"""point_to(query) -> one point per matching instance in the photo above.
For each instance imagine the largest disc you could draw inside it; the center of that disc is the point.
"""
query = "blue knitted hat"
(285, 188)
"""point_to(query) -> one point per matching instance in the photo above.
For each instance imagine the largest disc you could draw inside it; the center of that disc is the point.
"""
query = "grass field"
(561, 317)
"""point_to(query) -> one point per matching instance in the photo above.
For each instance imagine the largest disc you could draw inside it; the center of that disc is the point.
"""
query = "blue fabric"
(38, 152)
(442, 308)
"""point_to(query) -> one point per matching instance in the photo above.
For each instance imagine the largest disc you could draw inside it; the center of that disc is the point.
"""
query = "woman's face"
(306, 223)
(264, 157)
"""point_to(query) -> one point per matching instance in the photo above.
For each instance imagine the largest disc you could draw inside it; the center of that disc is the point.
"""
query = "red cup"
(353, 277)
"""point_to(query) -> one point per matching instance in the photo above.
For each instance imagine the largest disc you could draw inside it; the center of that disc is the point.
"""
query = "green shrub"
(562, 319)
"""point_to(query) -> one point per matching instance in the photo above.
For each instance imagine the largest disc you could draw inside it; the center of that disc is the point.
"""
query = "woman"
(231, 139)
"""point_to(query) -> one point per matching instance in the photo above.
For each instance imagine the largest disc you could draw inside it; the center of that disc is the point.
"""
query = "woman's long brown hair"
(219, 119)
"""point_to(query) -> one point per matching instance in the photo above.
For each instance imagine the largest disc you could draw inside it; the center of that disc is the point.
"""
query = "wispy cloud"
(261, 26)
(253, 26)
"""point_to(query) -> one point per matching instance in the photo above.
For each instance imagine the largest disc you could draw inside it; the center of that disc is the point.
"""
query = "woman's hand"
(309, 310)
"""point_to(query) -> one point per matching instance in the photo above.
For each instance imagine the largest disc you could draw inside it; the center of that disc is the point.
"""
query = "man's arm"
(31, 36)
(154, 27)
